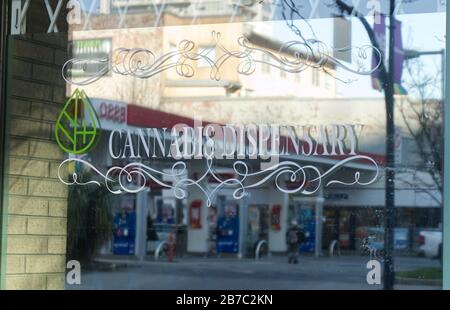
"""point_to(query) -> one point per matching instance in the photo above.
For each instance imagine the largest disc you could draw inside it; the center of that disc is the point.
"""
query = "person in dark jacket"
(294, 237)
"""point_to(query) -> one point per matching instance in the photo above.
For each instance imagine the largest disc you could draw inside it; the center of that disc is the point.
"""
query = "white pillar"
(197, 238)
(243, 220)
(141, 224)
(319, 222)
(277, 238)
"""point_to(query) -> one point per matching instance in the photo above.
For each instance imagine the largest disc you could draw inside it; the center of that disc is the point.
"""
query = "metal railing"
(258, 248)
(159, 248)
(333, 245)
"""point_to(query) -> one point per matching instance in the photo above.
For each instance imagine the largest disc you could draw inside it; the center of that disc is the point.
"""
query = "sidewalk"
(345, 272)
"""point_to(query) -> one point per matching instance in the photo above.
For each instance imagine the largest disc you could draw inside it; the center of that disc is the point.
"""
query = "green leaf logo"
(77, 128)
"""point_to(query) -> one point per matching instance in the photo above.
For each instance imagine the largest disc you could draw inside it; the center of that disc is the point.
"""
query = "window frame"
(5, 7)
(4, 31)
(446, 202)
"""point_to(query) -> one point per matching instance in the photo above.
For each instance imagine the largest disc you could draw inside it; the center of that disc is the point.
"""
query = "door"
(305, 216)
(257, 228)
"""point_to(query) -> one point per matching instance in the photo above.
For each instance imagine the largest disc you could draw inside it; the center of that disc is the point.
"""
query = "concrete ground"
(192, 273)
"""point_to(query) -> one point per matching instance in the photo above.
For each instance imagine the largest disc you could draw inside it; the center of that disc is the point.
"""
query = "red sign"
(113, 112)
(195, 213)
(275, 217)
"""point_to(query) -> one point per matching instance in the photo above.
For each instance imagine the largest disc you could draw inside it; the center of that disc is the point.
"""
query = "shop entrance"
(331, 227)
(304, 214)
(257, 227)
(340, 225)
(308, 215)
(166, 222)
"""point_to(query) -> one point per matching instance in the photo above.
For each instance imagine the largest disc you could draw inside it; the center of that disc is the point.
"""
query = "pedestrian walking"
(294, 238)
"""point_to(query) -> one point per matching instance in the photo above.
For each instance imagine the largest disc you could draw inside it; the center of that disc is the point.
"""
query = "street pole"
(389, 212)
(387, 78)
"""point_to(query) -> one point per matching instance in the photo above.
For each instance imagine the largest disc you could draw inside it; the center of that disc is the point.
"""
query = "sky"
(421, 32)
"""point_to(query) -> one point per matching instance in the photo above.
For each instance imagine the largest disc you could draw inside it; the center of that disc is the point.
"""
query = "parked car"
(430, 243)
(373, 244)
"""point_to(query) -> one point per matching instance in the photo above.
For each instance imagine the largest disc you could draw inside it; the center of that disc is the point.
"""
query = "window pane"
(211, 145)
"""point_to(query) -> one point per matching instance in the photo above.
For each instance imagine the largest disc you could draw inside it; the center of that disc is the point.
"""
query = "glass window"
(223, 145)
(207, 56)
(315, 78)
(265, 63)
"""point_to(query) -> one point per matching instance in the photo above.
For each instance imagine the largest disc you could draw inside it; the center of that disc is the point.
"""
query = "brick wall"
(37, 200)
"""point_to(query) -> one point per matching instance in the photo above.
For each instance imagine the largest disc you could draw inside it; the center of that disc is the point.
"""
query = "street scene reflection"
(327, 128)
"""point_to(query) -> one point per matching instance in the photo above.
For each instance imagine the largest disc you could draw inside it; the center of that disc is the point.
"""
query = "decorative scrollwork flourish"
(304, 179)
(292, 57)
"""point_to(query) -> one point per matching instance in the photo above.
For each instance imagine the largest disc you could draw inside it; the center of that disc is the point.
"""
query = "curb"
(413, 281)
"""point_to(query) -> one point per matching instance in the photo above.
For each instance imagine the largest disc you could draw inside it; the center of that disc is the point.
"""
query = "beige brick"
(29, 128)
(18, 147)
(36, 110)
(46, 226)
(46, 188)
(52, 134)
(47, 74)
(27, 245)
(57, 208)
(15, 264)
(60, 57)
(20, 68)
(29, 167)
(31, 90)
(48, 150)
(59, 94)
(27, 205)
(20, 107)
(36, 242)
(25, 282)
(17, 225)
(45, 111)
(45, 263)
(56, 281)
(57, 245)
(18, 185)
(54, 168)
(33, 51)
(64, 172)
(55, 39)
